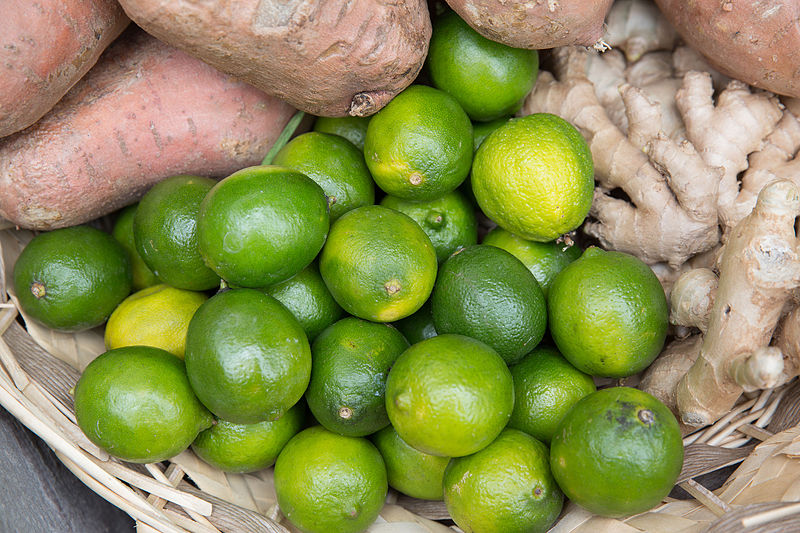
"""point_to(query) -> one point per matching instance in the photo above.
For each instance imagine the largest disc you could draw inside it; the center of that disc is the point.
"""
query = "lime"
(157, 316)
(543, 259)
(546, 386)
(419, 146)
(241, 448)
(409, 470)
(247, 356)
(534, 177)
(481, 130)
(262, 225)
(136, 403)
(618, 452)
(165, 232)
(335, 164)
(489, 79)
(354, 129)
(378, 264)
(419, 326)
(487, 294)
(123, 232)
(71, 279)
(449, 220)
(608, 313)
(327, 482)
(507, 486)
(449, 395)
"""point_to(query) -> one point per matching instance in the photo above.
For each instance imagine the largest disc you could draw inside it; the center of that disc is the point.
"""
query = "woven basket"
(39, 367)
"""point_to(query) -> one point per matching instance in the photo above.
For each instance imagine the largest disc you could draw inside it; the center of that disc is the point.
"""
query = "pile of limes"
(282, 316)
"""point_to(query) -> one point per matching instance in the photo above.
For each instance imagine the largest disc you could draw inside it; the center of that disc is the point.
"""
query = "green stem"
(284, 137)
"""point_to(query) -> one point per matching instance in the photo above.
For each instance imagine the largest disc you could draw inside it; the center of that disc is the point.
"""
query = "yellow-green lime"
(328, 483)
(410, 471)
(608, 313)
(449, 220)
(309, 300)
(617, 452)
(546, 386)
(349, 364)
(262, 225)
(419, 146)
(157, 316)
(335, 164)
(449, 395)
(419, 326)
(543, 259)
(165, 232)
(123, 232)
(71, 279)
(136, 403)
(378, 264)
(354, 129)
(534, 177)
(489, 79)
(241, 448)
(247, 357)
(507, 486)
(488, 294)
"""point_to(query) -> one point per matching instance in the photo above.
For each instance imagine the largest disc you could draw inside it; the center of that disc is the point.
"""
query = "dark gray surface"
(38, 494)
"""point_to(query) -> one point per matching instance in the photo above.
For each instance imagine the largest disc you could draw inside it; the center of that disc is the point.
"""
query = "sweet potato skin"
(325, 57)
(537, 25)
(45, 47)
(755, 42)
(145, 112)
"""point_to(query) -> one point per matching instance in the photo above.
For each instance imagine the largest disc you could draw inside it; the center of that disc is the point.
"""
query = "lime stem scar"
(37, 289)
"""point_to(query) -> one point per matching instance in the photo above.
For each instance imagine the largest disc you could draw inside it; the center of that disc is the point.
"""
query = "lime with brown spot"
(410, 471)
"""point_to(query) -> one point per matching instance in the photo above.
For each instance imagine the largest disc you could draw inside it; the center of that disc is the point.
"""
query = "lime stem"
(284, 137)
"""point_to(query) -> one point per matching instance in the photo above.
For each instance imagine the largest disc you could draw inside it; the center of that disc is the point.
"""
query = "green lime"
(507, 486)
(157, 316)
(534, 177)
(487, 294)
(123, 231)
(309, 300)
(136, 403)
(335, 164)
(543, 259)
(608, 313)
(262, 225)
(618, 452)
(419, 146)
(354, 129)
(247, 356)
(71, 279)
(481, 130)
(419, 326)
(165, 232)
(489, 79)
(546, 386)
(449, 220)
(409, 470)
(328, 483)
(449, 395)
(241, 448)
(378, 264)
(350, 360)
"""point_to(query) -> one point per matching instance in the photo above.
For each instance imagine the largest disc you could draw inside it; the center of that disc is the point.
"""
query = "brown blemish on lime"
(345, 412)
(392, 286)
(38, 290)
(331, 200)
(646, 416)
(415, 178)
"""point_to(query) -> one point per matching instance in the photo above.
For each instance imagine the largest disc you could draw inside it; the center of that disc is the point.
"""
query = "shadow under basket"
(39, 367)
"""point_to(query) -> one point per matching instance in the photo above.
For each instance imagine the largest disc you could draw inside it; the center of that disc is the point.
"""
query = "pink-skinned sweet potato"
(45, 47)
(146, 111)
(538, 24)
(325, 57)
(755, 42)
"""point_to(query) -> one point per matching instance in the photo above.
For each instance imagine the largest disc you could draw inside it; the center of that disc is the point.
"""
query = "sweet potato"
(755, 42)
(538, 24)
(45, 47)
(326, 57)
(145, 112)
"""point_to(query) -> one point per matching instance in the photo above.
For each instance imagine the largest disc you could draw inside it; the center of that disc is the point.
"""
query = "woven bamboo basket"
(39, 367)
